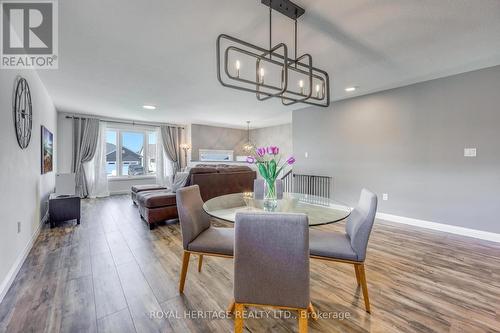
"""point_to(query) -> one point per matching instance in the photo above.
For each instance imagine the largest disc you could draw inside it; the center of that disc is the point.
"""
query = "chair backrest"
(360, 222)
(192, 217)
(259, 189)
(279, 189)
(271, 259)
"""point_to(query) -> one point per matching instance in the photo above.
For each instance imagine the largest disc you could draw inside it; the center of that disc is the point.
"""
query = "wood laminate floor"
(110, 273)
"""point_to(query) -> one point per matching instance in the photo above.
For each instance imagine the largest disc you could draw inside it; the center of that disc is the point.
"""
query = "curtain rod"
(128, 122)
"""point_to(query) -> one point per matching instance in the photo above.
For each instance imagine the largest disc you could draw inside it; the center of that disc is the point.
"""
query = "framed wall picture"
(216, 155)
(47, 150)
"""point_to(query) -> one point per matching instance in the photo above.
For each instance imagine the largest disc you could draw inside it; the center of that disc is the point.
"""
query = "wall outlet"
(18, 227)
(385, 196)
(470, 152)
(306, 154)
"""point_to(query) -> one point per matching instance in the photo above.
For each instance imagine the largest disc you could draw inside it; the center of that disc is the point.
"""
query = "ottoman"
(157, 206)
(63, 208)
(142, 188)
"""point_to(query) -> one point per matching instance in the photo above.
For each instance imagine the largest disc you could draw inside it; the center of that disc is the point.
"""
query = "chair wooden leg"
(185, 264)
(200, 262)
(238, 318)
(302, 321)
(230, 308)
(364, 286)
(310, 308)
(356, 270)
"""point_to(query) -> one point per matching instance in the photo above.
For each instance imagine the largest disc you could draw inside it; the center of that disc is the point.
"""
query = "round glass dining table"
(318, 209)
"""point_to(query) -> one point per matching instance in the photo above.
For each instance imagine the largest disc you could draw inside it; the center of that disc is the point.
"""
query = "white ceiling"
(117, 55)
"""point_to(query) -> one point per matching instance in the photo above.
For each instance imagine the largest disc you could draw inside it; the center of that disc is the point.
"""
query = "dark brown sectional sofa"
(157, 205)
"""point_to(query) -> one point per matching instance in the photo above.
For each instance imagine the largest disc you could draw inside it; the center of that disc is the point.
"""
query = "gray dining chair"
(271, 265)
(259, 186)
(198, 236)
(349, 247)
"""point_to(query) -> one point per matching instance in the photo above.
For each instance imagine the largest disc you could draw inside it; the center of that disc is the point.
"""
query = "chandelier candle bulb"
(301, 85)
(261, 74)
(317, 91)
(237, 65)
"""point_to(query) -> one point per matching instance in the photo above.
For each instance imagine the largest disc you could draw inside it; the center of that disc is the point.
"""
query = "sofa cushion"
(147, 187)
(180, 180)
(203, 169)
(235, 168)
(156, 199)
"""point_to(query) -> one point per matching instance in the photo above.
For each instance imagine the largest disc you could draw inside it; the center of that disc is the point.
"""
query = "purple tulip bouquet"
(268, 161)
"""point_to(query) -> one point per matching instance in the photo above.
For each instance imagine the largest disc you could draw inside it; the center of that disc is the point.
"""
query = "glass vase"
(270, 197)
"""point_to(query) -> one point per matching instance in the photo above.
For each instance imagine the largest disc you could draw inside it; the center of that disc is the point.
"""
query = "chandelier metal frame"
(279, 56)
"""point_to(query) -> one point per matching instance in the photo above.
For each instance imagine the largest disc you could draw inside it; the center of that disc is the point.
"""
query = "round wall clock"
(23, 113)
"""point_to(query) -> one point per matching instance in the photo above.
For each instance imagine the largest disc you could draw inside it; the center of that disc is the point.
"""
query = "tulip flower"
(290, 160)
(261, 151)
(250, 160)
(273, 150)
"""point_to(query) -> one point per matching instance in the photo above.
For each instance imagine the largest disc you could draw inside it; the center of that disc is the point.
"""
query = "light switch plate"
(385, 196)
(470, 152)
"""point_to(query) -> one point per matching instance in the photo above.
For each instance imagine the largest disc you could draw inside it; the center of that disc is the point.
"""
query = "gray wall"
(409, 143)
(24, 190)
(213, 137)
(280, 135)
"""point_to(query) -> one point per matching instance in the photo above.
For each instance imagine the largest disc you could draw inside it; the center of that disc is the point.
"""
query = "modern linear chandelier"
(271, 72)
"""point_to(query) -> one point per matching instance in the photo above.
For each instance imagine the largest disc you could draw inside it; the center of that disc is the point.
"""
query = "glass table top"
(318, 209)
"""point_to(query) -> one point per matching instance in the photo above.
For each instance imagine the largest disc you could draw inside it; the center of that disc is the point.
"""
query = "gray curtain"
(85, 134)
(171, 137)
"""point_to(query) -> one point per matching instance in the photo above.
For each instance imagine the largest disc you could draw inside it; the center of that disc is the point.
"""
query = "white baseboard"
(45, 218)
(119, 192)
(485, 235)
(11, 275)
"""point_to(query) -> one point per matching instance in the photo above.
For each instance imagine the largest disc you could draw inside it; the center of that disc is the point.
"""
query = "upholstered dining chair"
(198, 236)
(271, 265)
(259, 186)
(349, 247)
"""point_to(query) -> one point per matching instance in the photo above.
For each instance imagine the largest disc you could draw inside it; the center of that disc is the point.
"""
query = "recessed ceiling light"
(149, 107)
(351, 89)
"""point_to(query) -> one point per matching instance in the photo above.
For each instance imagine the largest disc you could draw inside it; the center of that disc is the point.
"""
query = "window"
(151, 153)
(111, 153)
(130, 152)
